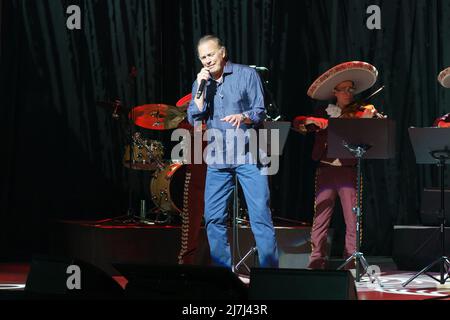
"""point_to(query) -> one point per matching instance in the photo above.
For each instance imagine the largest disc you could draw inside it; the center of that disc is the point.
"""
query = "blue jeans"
(219, 187)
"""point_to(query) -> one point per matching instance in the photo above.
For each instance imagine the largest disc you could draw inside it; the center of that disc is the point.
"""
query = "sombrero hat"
(444, 78)
(363, 75)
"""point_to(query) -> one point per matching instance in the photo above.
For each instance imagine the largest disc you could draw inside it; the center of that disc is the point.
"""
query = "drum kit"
(167, 177)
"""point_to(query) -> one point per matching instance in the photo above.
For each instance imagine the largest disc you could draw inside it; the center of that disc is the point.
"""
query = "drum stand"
(158, 211)
(129, 217)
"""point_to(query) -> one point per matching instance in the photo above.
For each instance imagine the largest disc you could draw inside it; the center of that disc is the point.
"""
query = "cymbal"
(157, 116)
(184, 102)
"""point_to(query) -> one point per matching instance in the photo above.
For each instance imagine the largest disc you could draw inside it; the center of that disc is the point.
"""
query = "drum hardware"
(148, 154)
(118, 109)
(157, 116)
(166, 189)
(158, 212)
(115, 106)
(141, 154)
(143, 214)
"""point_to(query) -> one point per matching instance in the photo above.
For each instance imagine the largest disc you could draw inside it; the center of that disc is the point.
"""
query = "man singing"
(232, 99)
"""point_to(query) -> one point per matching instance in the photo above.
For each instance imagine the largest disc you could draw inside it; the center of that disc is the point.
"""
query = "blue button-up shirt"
(240, 91)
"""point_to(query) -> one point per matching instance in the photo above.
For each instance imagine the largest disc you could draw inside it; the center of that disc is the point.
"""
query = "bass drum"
(167, 188)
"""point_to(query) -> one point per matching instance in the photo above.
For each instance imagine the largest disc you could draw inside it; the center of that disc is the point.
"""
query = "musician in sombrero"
(444, 80)
(335, 177)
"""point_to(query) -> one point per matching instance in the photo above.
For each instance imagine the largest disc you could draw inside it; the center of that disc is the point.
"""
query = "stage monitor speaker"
(181, 282)
(298, 284)
(68, 277)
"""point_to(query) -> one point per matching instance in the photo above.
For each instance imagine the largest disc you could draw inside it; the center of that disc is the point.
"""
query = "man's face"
(212, 57)
(344, 93)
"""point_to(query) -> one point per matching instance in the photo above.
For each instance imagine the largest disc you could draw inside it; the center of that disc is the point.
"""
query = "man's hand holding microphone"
(202, 79)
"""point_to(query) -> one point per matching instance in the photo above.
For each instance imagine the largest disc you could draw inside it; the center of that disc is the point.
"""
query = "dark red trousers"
(193, 210)
(332, 182)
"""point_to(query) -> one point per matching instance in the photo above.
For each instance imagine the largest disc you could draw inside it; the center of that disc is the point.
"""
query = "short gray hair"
(210, 37)
(217, 40)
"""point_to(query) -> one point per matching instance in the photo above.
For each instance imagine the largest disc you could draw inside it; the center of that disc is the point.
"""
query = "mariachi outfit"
(334, 177)
(444, 80)
(444, 118)
(193, 193)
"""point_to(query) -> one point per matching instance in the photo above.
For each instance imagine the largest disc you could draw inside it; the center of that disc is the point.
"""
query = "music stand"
(280, 131)
(432, 146)
(360, 139)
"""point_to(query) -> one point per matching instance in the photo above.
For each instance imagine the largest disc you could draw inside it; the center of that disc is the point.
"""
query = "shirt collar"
(228, 67)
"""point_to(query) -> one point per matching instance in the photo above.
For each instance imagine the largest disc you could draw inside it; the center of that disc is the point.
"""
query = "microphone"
(264, 69)
(201, 87)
